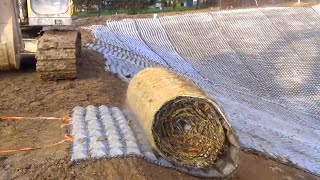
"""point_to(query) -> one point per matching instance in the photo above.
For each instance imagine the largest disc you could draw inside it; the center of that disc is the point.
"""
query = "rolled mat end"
(182, 123)
(187, 130)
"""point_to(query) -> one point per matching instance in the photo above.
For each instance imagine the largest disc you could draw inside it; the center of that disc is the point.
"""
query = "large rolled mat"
(181, 122)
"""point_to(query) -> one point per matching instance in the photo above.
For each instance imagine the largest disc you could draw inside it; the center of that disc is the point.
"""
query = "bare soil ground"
(24, 94)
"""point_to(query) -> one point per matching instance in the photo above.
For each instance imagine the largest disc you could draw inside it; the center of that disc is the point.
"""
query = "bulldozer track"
(57, 54)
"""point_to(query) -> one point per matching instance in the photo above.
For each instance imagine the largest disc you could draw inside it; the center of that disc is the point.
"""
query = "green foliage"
(135, 6)
(109, 7)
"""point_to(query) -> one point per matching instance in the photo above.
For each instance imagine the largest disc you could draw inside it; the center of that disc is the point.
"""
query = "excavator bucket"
(10, 36)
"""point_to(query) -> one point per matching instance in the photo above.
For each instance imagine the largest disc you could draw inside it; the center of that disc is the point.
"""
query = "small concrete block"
(128, 135)
(145, 147)
(77, 118)
(94, 125)
(95, 47)
(91, 108)
(112, 69)
(79, 134)
(88, 45)
(97, 145)
(98, 138)
(124, 127)
(105, 114)
(114, 152)
(104, 108)
(80, 148)
(183, 169)
(115, 144)
(129, 138)
(78, 156)
(93, 121)
(101, 49)
(81, 140)
(121, 119)
(113, 138)
(99, 153)
(119, 116)
(212, 172)
(79, 110)
(78, 127)
(95, 131)
(165, 162)
(115, 109)
(133, 151)
(91, 116)
(109, 125)
(112, 132)
(101, 138)
(150, 155)
(197, 171)
(132, 144)
(141, 137)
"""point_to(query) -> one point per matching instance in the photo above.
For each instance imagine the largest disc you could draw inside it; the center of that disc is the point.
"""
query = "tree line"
(133, 6)
(137, 6)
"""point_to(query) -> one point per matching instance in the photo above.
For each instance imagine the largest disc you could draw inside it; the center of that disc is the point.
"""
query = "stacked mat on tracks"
(260, 64)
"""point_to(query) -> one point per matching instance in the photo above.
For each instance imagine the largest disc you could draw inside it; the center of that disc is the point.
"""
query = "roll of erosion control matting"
(182, 123)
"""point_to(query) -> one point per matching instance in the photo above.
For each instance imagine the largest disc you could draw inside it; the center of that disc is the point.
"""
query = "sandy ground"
(24, 94)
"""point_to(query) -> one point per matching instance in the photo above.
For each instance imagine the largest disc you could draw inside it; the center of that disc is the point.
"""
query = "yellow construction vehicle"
(39, 27)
